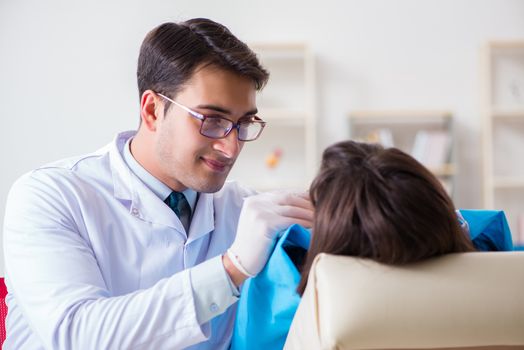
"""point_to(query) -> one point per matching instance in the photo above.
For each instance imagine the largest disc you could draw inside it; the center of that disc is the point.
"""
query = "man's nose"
(230, 145)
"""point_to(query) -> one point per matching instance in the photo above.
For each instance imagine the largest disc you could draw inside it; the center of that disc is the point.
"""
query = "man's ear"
(150, 108)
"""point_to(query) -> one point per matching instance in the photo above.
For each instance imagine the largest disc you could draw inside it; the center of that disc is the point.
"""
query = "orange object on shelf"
(273, 159)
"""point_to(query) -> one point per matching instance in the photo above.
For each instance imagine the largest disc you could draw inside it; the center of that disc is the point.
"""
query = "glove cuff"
(234, 259)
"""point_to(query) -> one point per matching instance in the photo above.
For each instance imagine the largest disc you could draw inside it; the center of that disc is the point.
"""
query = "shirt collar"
(160, 189)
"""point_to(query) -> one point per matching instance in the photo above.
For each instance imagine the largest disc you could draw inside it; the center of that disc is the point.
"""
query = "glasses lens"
(249, 131)
(216, 127)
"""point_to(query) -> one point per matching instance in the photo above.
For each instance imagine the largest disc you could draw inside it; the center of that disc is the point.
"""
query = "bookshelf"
(284, 155)
(503, 131)
(425, 134)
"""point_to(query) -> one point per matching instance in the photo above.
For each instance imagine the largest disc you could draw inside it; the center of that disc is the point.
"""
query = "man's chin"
(209, 186)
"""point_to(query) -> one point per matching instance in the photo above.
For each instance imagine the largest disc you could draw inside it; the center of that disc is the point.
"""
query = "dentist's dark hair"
(171, 52)
(381, 204)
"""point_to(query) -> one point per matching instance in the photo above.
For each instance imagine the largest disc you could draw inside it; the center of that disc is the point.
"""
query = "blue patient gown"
(268, 301)
(488, 229)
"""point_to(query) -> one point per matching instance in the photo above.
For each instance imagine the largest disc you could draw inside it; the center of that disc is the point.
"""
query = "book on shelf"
(432, 148)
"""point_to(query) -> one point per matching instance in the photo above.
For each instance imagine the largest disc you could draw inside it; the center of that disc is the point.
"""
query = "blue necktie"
(178, 203)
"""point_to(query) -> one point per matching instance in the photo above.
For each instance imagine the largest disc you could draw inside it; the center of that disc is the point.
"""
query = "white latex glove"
(262, 217)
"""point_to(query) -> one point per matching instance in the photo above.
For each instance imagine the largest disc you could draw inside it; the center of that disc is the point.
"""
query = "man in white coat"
(142, 244)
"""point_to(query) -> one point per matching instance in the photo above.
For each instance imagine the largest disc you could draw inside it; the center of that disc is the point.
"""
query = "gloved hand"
(262, 217)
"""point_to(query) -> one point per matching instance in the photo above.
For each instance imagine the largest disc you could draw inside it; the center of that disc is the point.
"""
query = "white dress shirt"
(94, 259)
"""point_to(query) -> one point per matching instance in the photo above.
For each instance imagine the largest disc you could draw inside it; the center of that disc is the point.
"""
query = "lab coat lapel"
(141, 202)
(148, 207)
(203, 220)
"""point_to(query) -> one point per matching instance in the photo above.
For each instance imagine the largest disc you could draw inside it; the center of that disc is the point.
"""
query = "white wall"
(67, 68)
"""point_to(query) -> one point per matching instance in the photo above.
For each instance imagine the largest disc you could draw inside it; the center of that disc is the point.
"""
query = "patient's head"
(381, 204)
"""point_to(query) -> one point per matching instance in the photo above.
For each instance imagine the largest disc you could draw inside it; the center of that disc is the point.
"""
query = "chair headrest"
(453, 301)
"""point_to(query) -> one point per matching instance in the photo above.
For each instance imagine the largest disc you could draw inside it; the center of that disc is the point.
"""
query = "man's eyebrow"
(225, 111)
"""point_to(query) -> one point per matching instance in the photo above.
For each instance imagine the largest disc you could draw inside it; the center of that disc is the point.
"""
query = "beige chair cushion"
(468, 300)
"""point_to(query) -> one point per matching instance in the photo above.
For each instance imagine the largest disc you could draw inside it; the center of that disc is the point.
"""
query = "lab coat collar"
(145, 205)
(120, 172)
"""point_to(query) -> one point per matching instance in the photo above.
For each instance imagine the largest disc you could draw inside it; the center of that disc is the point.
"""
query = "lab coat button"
(213, 307)
(134, 212)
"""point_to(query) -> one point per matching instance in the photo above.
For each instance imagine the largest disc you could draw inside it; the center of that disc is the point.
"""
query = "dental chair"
(457, 301)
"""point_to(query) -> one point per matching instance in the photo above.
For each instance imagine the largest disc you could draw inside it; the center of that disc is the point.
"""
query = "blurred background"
(442, 79)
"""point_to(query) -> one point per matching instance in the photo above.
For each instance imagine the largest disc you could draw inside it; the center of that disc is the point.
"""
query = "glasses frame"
(203, 117)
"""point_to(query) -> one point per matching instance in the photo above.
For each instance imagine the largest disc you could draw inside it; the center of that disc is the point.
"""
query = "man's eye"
(217, 122)
(248, 119)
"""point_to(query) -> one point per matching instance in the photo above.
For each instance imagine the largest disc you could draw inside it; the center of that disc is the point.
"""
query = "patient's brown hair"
(380, 204)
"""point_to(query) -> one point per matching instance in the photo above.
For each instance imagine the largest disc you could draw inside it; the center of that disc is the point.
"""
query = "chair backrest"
(467, 300)
(3, 310)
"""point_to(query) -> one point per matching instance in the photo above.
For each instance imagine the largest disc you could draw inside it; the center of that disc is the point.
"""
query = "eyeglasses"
(248, 129)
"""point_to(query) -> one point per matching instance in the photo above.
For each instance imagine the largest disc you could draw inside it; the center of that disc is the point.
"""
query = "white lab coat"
(94, 260)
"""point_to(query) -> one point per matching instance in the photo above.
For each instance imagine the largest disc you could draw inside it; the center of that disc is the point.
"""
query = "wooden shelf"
(512, 45)
(445, 170)
(287, 104)
(507, 113)
(503, 129)
(508, 182)
(395, 113)
(400, 116)
(416, 132)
